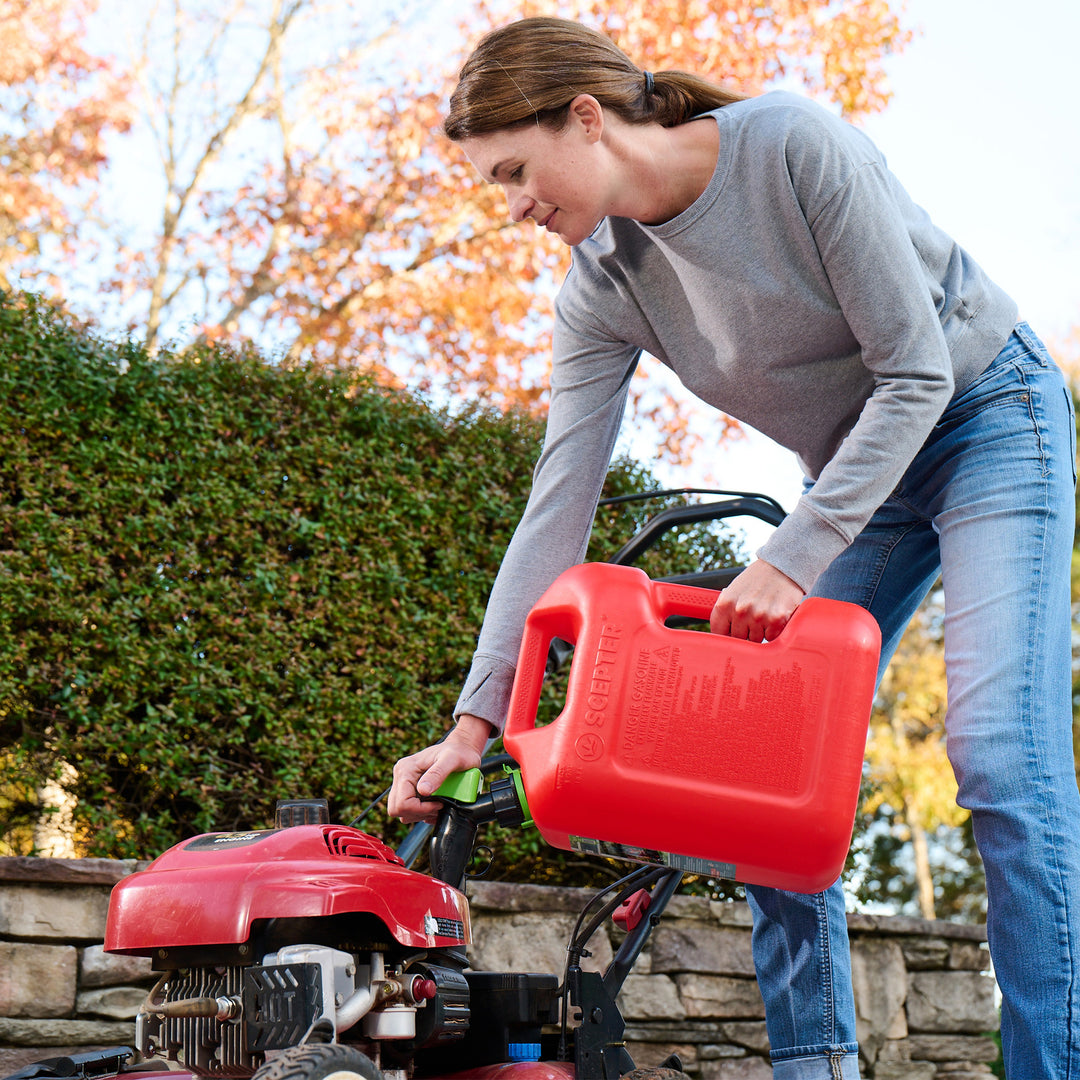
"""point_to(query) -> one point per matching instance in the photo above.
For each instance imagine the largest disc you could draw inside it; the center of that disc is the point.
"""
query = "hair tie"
(649, 82)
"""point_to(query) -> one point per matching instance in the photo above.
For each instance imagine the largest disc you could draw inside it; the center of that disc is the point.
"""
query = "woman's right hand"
(420, 774)
(757, 605)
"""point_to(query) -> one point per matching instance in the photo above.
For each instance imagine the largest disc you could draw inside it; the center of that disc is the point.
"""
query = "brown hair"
(529, 71)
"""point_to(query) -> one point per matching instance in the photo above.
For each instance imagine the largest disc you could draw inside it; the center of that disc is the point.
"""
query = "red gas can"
(724, 758)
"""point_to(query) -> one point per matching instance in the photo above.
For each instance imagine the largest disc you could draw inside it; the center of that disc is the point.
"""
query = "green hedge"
(224, 581)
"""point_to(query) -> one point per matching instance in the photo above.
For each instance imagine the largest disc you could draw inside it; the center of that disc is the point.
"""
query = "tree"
(910, 805)
(58, 103)
(305, 199)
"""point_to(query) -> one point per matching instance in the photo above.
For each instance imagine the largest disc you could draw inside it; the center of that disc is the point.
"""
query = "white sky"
(984, 131)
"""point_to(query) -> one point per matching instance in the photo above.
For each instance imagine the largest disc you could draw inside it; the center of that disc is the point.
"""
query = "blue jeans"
(988, 503)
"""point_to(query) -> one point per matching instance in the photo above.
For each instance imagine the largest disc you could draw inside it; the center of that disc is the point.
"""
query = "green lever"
(462, 787)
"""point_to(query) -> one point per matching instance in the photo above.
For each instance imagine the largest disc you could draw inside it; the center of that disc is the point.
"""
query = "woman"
(762, 249)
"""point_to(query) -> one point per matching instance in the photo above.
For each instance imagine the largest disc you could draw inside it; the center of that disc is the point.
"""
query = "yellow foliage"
(907, 765)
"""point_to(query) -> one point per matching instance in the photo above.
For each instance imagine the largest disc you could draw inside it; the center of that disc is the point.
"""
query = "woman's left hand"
(757, 604)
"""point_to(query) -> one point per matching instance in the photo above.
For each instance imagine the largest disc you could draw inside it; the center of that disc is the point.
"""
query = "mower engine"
(311, 933)
(222, 1021)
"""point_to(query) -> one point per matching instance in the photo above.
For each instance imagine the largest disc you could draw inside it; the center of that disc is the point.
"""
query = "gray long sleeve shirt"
(804, 293)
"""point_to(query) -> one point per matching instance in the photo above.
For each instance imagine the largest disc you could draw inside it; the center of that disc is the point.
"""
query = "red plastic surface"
(631, 911)
(746, 755)
(209, 890)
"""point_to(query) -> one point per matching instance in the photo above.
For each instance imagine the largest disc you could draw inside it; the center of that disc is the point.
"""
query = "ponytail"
(530, 70)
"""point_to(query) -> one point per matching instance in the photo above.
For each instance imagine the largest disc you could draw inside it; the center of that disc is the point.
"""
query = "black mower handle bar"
(735, 504)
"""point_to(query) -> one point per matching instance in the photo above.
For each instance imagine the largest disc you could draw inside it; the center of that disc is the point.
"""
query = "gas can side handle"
(528, 679)
(555, 615)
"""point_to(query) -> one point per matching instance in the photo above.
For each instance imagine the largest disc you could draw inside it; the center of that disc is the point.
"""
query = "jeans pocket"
(1003, 385)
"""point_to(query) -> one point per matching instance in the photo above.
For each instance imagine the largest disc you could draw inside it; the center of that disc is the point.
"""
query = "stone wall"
(925, 1001)
(59, 991)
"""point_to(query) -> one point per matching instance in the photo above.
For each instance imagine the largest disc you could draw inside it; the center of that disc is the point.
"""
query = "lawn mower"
(313, 951)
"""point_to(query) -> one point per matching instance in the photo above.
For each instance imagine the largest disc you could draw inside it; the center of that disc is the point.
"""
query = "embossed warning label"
(734, 727)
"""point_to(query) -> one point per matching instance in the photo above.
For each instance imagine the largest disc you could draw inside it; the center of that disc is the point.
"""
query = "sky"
(984, 131)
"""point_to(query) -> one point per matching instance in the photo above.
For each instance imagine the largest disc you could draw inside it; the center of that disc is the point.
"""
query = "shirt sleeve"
(854, 211)
(590, 378)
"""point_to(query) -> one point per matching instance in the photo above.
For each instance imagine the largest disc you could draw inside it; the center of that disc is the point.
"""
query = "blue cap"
(523, 1051)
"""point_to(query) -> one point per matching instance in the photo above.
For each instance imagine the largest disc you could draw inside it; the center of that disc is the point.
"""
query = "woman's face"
(555, 177)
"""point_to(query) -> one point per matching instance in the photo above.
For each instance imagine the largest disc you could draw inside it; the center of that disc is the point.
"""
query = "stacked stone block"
(60, 993)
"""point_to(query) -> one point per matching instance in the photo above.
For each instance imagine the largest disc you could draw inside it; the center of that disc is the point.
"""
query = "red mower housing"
(210, 891)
